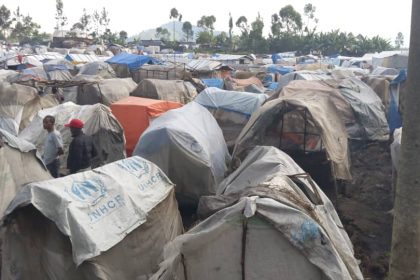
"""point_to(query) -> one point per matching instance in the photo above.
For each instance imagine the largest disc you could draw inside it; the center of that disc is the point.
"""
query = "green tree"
(207, 22)
(187, 29)
(204, 37)
(230, 30)
(85, 21)
(242, 24)
(399, 40)
(291, 19)
(276, 26)
(123, 36)
(5, 20)
(25, 29)
(257, 42)
(174, 14)
(162, 33)
(61, 19)
(96, 21)
(104, 19)
(309, 12)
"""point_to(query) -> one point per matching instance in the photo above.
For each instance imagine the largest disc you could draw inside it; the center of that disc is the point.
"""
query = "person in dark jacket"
(81, 150)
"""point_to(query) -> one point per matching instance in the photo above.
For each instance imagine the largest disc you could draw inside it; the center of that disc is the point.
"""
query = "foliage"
(162, 33)
(61, 19)
(399, 40)
(188, 31)
(207, 22)
(5, 20)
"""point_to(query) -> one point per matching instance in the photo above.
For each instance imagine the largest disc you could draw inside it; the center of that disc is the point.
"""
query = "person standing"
(81, 150)
(53, 146)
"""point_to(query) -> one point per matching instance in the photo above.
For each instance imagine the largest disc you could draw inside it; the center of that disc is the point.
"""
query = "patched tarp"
(19, 165)
(303, 122)
(231, 109)
(368, 108)
(18, 105)
(133, 61)
(262, 238)
(105, 91)
(188, 145)
(98, 68)
(320, 88)
(98, 224)
(107, 133)
(171, 90)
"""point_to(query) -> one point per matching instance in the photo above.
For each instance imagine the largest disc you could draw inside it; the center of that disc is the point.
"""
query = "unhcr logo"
(136, 167)
(89, 191)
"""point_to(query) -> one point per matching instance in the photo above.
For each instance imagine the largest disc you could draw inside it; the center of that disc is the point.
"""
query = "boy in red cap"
(81, 150)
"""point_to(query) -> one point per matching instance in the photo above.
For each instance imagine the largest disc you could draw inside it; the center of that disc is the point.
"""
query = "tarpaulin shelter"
(188, 145)
(124, 63)
(159, 71)
(269, 224)
(105, 91)
(171, 90)
(109, 223)
(107, 133)
(301, 75)
(368, 108)
(19, 165)
(231, 109)
(19, 104)
(98, 68)
(318, 88)
(135, 115)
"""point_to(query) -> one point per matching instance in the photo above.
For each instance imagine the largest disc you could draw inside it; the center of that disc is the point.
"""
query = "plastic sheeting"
(171, 90)
(135, 115)
(19, 165)
(367, 107)
(262, 238)
(133, 61)
(106, 219)
(282, 122)
(231, 109)
(188, 145)
(98, 68)
(105, 91)
(218, 83)
(18, 105)
(107, 133)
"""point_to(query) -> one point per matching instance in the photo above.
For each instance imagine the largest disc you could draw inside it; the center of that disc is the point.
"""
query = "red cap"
(76, 123)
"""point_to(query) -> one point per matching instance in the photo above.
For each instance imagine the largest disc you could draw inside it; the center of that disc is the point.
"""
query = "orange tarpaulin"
(134, 114)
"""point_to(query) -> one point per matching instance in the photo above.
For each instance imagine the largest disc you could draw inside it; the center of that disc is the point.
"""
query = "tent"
(171, 90)
(301, 75)
(271, 222)
(135, 115)
(133, 61)
(20, 165)
(109, 223)
(107, 133)
(308, 128)
(318, 88)
(161, 72)
(98, 68)
(368, 108)
(105, 91)
(19, 104)
(231, 109)
(188, 145)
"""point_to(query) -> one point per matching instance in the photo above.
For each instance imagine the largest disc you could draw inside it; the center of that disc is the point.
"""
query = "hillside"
(150, 34)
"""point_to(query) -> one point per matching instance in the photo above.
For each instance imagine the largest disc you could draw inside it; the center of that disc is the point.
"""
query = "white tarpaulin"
(107, 133)
(102, 213)
(281, 226)
(19, 165)
(188, 145)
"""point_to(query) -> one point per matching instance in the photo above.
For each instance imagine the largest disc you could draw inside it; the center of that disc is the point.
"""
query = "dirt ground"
(364, 207)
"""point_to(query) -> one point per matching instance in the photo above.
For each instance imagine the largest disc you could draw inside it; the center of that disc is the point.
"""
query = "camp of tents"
(209, 168)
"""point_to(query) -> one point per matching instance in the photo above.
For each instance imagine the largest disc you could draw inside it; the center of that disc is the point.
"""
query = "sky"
(369, 17)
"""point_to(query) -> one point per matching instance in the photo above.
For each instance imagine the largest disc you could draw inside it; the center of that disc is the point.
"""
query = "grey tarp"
(19, 165)
(269, 172)
(105, 91)
(281, 123)
(260, 238)
(13, 98)
(395, 148)
(171, 90)
(381, 86)
(301, 75)
(108, 223)
(368, 108)
(106, 131)
(188, 145)
(161, 72)
(318, 88)
(231, 109)
(98, 68)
